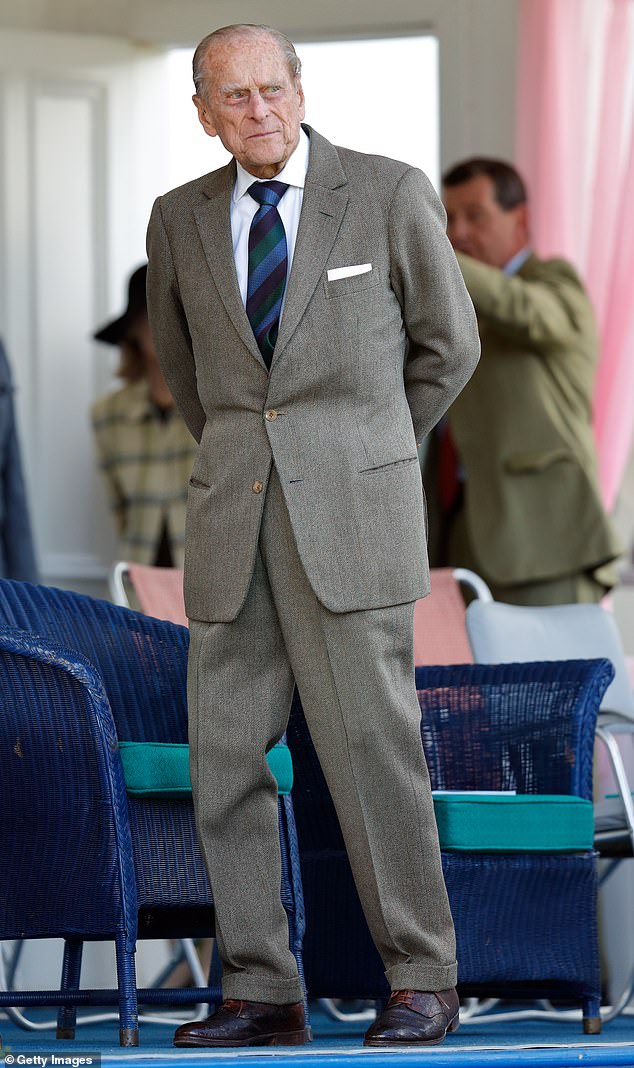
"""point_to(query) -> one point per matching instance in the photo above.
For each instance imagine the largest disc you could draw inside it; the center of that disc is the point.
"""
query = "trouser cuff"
(428, 977)
(246, 987)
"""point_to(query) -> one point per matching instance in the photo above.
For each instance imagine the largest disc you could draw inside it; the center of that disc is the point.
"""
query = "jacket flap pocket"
(531, 462)
(354, 283)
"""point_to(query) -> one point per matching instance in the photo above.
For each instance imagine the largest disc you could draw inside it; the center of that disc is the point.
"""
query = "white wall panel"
(67, 209)
(81, 150)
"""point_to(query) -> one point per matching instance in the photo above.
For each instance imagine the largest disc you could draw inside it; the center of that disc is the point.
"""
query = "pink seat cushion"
(440, 635)
(159, 591)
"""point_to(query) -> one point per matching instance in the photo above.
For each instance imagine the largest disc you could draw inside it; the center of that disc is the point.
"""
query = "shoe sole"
(452, 1026)
(289, 1038)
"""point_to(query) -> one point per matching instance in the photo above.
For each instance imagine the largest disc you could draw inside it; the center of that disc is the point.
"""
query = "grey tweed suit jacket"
(363, 368)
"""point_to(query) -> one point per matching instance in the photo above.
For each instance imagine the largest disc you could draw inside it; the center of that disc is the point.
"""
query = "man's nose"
(257, 106)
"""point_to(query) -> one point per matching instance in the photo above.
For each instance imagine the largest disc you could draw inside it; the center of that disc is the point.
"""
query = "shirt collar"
(517, 261)
(293, 172)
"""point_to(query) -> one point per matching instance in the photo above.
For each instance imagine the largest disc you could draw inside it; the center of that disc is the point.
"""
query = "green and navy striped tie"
(268, 265)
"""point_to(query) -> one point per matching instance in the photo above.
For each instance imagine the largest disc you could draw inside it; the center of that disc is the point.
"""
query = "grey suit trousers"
(354, 672)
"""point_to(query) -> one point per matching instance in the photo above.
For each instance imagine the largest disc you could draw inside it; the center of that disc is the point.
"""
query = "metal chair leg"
(620, 776)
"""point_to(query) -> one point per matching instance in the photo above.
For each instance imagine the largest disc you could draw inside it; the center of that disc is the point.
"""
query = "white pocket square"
(347, 272)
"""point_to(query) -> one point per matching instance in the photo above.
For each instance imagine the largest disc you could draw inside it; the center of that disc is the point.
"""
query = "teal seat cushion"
(161, 769)
(514, 823)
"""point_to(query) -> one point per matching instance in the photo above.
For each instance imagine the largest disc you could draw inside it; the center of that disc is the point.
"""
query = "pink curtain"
(575, 146)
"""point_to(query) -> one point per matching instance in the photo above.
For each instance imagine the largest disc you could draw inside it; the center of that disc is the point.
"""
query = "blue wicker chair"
(82, 860)
(525, 923)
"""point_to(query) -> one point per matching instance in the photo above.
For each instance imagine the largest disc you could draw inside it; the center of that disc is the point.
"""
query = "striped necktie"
(268, 263)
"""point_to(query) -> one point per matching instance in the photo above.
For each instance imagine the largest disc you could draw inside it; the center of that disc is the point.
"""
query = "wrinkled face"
(252, 102)
(479, 226)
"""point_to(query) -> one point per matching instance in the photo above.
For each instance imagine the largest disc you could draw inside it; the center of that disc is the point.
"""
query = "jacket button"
(271, 415)
(257, 486)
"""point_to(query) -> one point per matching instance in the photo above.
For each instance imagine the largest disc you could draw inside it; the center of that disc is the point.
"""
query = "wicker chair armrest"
(64, 798)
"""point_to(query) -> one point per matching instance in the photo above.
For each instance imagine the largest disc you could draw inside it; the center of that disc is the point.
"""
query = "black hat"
(115, 332)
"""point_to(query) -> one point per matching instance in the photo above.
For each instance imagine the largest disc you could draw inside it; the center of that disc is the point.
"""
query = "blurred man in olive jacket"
(512, 470)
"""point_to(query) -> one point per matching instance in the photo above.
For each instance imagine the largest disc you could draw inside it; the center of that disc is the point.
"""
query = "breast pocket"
(355, 283)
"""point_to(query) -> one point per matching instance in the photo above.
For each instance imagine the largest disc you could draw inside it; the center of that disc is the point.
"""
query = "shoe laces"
(400, 997)
(232, 1005)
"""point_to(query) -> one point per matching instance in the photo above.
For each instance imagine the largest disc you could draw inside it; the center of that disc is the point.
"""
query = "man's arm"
(548, 311)
(169, 325)
(442, 330)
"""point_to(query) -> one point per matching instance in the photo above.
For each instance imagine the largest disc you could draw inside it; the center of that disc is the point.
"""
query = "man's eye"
(237, 94)
(271, 89)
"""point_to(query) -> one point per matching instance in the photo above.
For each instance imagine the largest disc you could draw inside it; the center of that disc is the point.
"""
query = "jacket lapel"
(213, 219)
(323, 208)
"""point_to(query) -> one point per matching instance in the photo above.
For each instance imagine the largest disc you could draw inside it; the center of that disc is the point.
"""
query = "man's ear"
(522, 223)
(204, 116)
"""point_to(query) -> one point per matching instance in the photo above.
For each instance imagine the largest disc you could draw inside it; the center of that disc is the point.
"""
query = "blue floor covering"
(496, 1043)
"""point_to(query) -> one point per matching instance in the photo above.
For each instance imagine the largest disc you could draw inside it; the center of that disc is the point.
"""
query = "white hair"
(285, 45)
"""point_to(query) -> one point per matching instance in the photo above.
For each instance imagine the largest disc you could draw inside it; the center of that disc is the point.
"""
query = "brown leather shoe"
(247, 1023)
(415, 1018)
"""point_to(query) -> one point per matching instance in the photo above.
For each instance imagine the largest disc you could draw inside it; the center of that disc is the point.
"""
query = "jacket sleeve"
(545, 312)
(441, 326)
(169, 325)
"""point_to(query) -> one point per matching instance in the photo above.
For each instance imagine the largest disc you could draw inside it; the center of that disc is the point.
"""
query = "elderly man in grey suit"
(313, 325)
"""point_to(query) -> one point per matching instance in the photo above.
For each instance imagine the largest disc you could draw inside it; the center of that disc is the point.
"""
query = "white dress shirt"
(244, 207)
